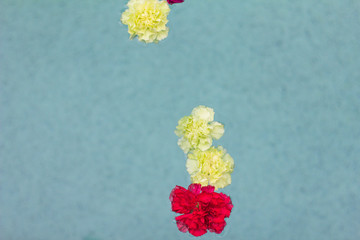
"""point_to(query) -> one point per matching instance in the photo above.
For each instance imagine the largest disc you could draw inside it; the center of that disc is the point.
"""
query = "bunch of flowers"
(147, 19)
(209, 167)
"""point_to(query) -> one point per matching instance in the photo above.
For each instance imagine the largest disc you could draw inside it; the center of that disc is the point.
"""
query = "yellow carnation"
(147, 19)
(198, 129)
(210, 167)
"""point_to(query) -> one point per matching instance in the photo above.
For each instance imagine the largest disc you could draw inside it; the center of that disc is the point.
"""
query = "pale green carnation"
(210, 167)
(147, 19)
(198, 130)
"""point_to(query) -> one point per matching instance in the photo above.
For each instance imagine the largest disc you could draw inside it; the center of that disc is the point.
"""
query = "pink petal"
(195, 188)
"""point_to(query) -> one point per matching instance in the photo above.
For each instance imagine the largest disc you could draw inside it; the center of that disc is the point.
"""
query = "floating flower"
(171, 2)
(198, 129)
(212, 166)
(202, 209)
(147, 19)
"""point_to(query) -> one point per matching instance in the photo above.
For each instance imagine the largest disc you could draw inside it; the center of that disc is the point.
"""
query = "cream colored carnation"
(147, 19)
(198, 130)
(210, 167)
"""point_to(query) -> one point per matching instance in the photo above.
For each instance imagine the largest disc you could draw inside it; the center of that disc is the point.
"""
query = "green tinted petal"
(205, 143)
(199, 179)
(229, 162)
(223, 181)
(204, 113)
(217, 130)
(192, 166)
(184, 145)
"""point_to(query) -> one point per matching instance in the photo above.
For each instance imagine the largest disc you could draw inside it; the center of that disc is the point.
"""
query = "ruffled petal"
(192, 166)
(204, 200)
(222, 182)
(217, 130)
(182, 200)
(184, 144)
(216, 224)
(195, 188)
(208, 189)
(205, 143)
(203, 113)
(220, 205)
(193, 222)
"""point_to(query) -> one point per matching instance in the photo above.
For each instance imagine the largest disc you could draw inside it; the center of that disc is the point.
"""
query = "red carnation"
(171, 2)
(202, 209)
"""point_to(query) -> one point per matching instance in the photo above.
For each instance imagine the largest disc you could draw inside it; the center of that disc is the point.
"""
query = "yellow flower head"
(147, 19)
(198, 129)
(212, 166)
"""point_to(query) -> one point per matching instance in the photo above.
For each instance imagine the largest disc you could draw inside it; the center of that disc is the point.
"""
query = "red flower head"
(202, 209)
(171, 2)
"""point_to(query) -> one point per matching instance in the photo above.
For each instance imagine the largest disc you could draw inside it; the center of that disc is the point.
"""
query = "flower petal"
(192, 166)
(216, 224)
(195, 188)
(204, 199)
(205, 143)
(193, 222)
(220, 205)
(182, 200)
(229, 162)
(217, 130)
(184, 144)
(204, 113)
(208, 189)
(222, 182)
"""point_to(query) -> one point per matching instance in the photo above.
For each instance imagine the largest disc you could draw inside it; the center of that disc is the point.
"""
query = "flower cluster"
(209, 168)
(147, 19)
(202, 209)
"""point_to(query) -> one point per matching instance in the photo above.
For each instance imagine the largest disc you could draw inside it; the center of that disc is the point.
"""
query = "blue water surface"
(87, 118)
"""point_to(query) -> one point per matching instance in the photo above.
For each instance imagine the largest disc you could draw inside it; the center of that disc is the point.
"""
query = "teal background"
(87, 148)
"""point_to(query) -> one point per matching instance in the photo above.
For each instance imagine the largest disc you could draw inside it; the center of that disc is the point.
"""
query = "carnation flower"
(198, 129)
(202, 209)
(171, 2)
(212, 166)
(147, 19)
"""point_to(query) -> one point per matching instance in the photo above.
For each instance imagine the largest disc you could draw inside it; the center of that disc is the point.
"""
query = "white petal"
(192, 166)
(205, 143)
(217, 130)
(184, 144)
(204, 113)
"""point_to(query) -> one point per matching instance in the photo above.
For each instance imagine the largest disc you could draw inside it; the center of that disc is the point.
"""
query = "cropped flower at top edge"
(171, 2)
(210, 167)
(202, 209)
(198, 130)
(147, 19)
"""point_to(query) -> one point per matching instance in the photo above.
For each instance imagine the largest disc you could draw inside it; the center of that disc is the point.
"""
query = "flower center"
(196, 207)
(197, 129)
(149, 17)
